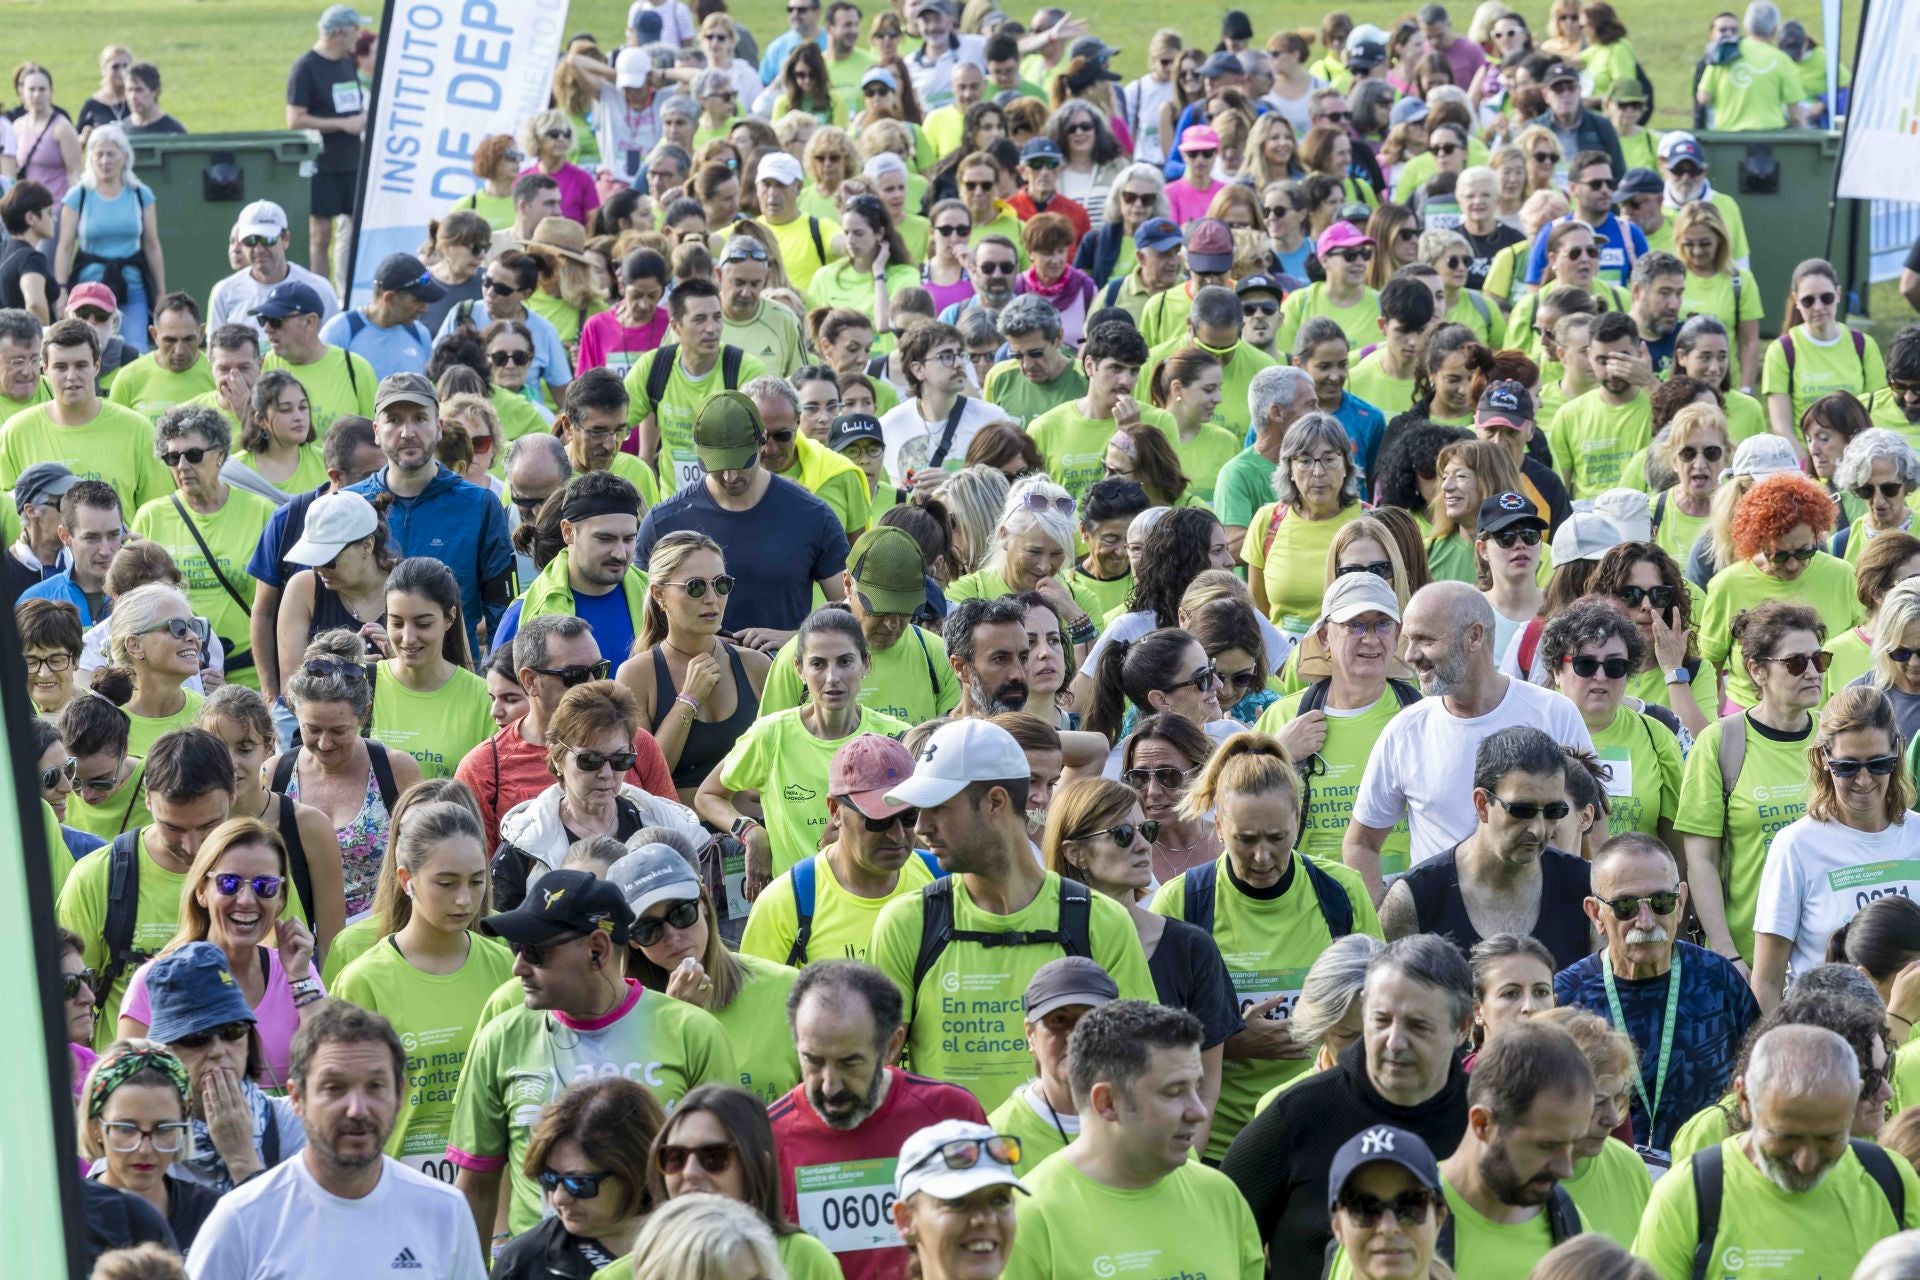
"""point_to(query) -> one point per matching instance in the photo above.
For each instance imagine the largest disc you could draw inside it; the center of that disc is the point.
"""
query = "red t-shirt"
(1065, 206)
(507, 769)
(847, 1177)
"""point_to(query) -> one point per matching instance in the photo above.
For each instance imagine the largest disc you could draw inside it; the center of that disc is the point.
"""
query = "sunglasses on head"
(1522, 812)
(1041, 502)
(229, 884)
(1889, 489)
(230, 1033)
(1509, 538)
(70, 983)
(595, 761)
(1124, 832)
(1660, 597)
(681, 915)
(962, 1154)
(1166, 775)
(1663, 904)
(580, 1186)
(714, 1157)
(50, 778)
(1409, 1208)
(1818, 300)
(697, 587)
(1876, 766)
(192, 457)
(1802, 554)
(578, 674)
(1797, 664)
(501, 359)
(1586, 666)
(321, 668)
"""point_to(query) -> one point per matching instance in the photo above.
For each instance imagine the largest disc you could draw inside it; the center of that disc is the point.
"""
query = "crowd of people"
(894, 654)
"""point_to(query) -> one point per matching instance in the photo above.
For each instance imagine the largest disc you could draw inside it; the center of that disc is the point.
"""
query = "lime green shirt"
(1610, 1190)
(1603, 66)
(756, 1027)
(1193, 1222)
(841, 284)
(150, 390)
(1293, 567)
(772, 337)
(1592, 439)
(910, 681)
(1341, 760)
(1238, 368)
(1075, 446)
(1022, 399)
(1717, 296)
(679, 402)
(117, 447)
(1852, 652)
(339, 384)
(1820, 368)
(1359, 320)
(82, 908)
(438, 728)
(842, 921)
(231, 533)
(779, 757)
(497, 210)
(1645, 759)
(1204, 456)
(309, 469)
(1825, 585)
(1751, 93)
(563, 315)
(990, 584)
(1370, 381)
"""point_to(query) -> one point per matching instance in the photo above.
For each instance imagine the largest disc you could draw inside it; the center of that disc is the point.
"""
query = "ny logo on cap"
(1511, 502)
(552, 896)
(1376, 1141)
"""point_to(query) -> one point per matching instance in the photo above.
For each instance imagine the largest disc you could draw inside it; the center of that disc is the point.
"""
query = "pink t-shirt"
(604, 341)
(278, 1019)
(579, 193)
(1185, 203)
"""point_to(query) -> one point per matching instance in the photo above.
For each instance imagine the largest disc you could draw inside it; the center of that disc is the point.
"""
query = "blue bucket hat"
(191, 990)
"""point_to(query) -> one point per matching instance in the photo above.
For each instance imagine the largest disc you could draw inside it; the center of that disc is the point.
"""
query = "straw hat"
(562, 236)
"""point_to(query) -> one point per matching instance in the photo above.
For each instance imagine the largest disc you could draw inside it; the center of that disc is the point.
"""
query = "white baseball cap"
(1586, 535)
(262, 218)
(778, 166)
(334, 523)
(1629, 509)
(960, 752)
(632, 68)
(1761, 456)
(921, 1168)
(1353, 594)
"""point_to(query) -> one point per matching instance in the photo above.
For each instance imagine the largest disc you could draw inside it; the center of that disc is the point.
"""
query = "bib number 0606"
(856, 1210)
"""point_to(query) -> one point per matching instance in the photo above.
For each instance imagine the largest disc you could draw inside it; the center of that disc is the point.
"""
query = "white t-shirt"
(677, 26)
(283, 1223)
(910, 439)
(1819, 874)
(236, 296)
(933, 76)
(625, 136)
(1422, 766)
(1131, 626)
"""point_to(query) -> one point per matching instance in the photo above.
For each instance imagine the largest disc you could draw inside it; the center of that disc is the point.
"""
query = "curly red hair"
(1773, 507)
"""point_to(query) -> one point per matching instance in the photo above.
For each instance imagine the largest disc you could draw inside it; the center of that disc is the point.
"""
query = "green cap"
(727, 432)
(888, 571)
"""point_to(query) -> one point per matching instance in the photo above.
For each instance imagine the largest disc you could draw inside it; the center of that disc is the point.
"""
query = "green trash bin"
(1782, 180)
(200, 183)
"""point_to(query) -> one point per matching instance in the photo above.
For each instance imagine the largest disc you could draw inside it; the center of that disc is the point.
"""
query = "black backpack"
(1709, 1179)
(1073, 934)
(1200, 884)
(660, 372)
(1563, 1224)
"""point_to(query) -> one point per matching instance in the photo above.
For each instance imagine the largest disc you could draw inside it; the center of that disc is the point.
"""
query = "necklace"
(689, 653)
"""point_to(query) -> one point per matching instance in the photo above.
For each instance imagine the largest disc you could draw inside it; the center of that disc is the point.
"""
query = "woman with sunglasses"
(1694, 448)
(1229, 631)
(278, 439)
(1159, 761)
(345, 585)
(1878, 470)
(1507, 559)
(496, 162)
(1470, 472)
(1448, 253)
(1662, 604)
(510, 359)
(133, 1127)
(718, 1142)
(1778, 530)
(547, 137)
(944, 272)
(1816, 353)
(1854, 842)
(470, 439)
(1895, 652)
(1032, 543)
(81, 1005)
(155, 643)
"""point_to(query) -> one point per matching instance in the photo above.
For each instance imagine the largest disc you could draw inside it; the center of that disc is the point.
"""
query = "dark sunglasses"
(1248, 310)
(1446, 149)
(1889, 490)
(229, 884)
(681, 915)
(1409, 1208)
(1242, 682)
(988, 185)
(192, 457)
(994, 268)
(875, 89)
(1586, 666)
(1144, 197)
(94, 315)
(696, 588)
(1818, 300)
(951, 229)
(1359, 253)
(500, 289)
(1595, 184)
(1687, 171)
(257, 242)
(501, 359)
(595, 761)
(1545, 157)
(1901, 657)
(578, 674)
(1202, 153)
(1528, 812)
(1378, 568)
(780, 437)
(715, 1157)
(70, 983)
(581, 1186)
(1166, 775)
(50, 778)
(879, 826)
(1277, 210)
(1661, 597)
(1207, 677)
(1509, 538)
(1798, 663)
(1454, 262)
(1123, 832)
(554, 135)
(1711, 452)
(1578, 252)
(538, 954)
(1802, 554)
(1663, 904)
(1337, 117)
(178, 628)
(231, 1033)
(1086, 126)
(1877, 766)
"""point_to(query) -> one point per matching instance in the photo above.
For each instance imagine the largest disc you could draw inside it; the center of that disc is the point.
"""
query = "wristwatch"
(740, 826)
(1679, 675)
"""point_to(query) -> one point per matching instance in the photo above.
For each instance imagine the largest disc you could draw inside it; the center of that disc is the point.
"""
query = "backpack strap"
(954, 415)
(1786, 351)
(730, 358)
(1199, 885)
(936, 930)
(1709, 1181)
(819, 245)
(926, 655)
(1563, 1216)
(283, 771)
(123, 908)
(1530, 643)
(803, 875)
(1407, 692)
(270, 1138)
(1336, 908)
(659, 372)
(382, 773)
(353, 374)
(1280, 510)
(1880, 1167)
(1072, 932)
(1112, 291)
(1315, 698)
(289, 826)
(355, 323)
(1659, 510)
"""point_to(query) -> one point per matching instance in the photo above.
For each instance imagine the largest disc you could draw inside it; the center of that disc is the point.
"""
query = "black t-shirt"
(1484, 247)
(94, 112)
(1189, 974)
(119, 1220)
(162, 124)
(21, 259)
(329, 88)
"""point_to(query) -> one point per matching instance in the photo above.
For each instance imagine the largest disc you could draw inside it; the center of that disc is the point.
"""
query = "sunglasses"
(1447, 149)
(1509, 538)
(1410, 1208)
(229, 1033)
(178, 628)
(257, 242)
(538, 954)
(1454, 262)
(1797, 664)
(595, 761)
(1205, 679)
(578, 674)
(1876, 766)
(1687, 171)
(952, 229)
(715, 1157)
(744, 249)
(681, 915)
(780, 437)
(875, 89)
(1595, 184)
(1277, 210)
(1578, 252)
(1202, 153)
(1044, 164)
(1360, 253)
(94, 315)
(962, 1154)
(501, 359)
(1818, 300)
(1145, 197)
(192, 457)
(1169, 778)
(580, 1186)
(1901, 657)
(321, 668)
(994, 268)
(1528, 812)
(501, 289)
(1711, 452)
(1248, 310)
(1661, 597)
(1586, 666)
(880, 826)
(1546, 157)
(229, 884)
(1123, 832)
(554, 135)
(1241, 682)
(1663, 904)
(50, 778)
(1040, 502)
(1802, 554)
(1086, 126)
(1378, 568)
(696, 588)
(978, 186)
(1360, 630)
(1889, 490)
(70, 983)
(1337, 117)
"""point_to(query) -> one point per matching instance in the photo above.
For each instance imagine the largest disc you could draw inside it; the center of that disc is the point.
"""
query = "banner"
(450, 72)
(1881, 156)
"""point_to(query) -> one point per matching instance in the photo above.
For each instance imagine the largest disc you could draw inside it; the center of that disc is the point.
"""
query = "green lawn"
(225, 61)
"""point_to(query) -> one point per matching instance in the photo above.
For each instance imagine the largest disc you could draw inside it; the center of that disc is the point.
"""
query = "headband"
(112, 1072)
(1124, 443)
(585, 506)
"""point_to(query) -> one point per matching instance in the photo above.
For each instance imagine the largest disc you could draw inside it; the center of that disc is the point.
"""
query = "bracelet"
(1083, 631)
(304, 986)
(311, 997)
(687, 699)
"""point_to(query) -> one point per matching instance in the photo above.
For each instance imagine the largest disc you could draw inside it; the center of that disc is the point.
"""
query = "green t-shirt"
(144, 731)
(1715, 295)
(1193, 1222)
(309, 469)
(1293, 566)
(965, 1022)
(1592, 440)
(1245, 485)
(1751, 93)
(772, 337)
(82, 907)
(1482, 1247)
(842, 922)
(1603, 66)
(1651, 686)
(679, 402)
(1768, 796)
(1041, 1130)
(348, 945)
(122, 809)
(841, 284)
(1358, 321)
(565, 318)
(782, 760)
(437, 729)
(1905, 1076)
(1746, 417)
(150, 390)
(231, 533)
(1707, 1127)
(1770, 1234)
(339, 384)
(1820, 368)
(991, 584)
(518, 417)
(830, 478)
(1341, 760)
(436, 1016)
(1472, 309)
(497, 210)
(1205, 456)
(1268, 945)
(1451, 559)
(1852, 652)
(1238, 367)
(1678, 531)
(756, 1027)
(1023, 399)
(1825, 585)
(797, 240)
(117, 447)
(1075, 446)
(911, 682)
(1370, 381)
(1610, 1190)
(1645, 759)
(1108, 593)
(520, 1059)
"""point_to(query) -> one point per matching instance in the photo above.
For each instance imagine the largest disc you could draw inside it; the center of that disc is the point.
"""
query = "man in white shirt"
(629, 115)
(931, 65)
(344, 1208)
(1422, 766)
(915, 430)
(261, 231)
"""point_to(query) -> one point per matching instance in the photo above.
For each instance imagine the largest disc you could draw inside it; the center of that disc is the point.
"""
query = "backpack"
(805, 877)
(1786, 347)
(1073, 934)
(1530, 643)
(1315, 699)
(661, 370)
(1563, 1224)
(1709, 1177)
(1199, 885)
(376, 756)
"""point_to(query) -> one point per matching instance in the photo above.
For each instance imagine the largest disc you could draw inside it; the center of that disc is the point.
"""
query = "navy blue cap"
(1158, 233)
(1260, 282)
(1381, 1144)
(290, 298)
(404, 273)
(191, 990)
(1039, 148)
(1506, 510)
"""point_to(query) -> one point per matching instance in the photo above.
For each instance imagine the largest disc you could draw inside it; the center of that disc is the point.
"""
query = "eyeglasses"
(1510, 538)
(1359, 253)
(1409, 1208)
(1802, 554)
(595, 761)
(500, 288)
(1876, 766)
(1169, 778)
(178, 628)
(1579, 251)
(697, 587)
(49, 662)
(1325, 463)
(1889, 489)
(681, 915)
(1040, 502)
(1378, 568)
(715, 1157)
(540, 954)
(577, 674)
(1248, 310)
(1360, 630)
(192, 457)
(1546, 157)
(1798, 663)
(1711, 452)
(994, 268)
(70, 983)
(1447, 149)
(1663, 904)
(227, 1033)
(1661, 597)
(229, 884)
(50, 778)
(1143, 197)
(125, 1137)
(580, 1186)
(1586, 666)
(953, 229)
(1528, 812)
(501, 359)
(1817, 300)
(962, 1154)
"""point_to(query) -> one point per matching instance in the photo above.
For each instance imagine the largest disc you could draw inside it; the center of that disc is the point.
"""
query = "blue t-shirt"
(1613, 249)
(284, 528)
(1716, 1009)
(776, 55)
(110, 228)
(1364, 425)
(403, 348)
(775, 552)
(606, 614)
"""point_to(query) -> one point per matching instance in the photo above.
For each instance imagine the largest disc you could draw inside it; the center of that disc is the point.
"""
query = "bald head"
(1798, 1061)
(1448, 638)
(1456, 605)
(1632, 855)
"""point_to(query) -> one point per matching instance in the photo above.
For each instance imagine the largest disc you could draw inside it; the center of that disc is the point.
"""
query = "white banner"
(450, 73)
(1881, 160)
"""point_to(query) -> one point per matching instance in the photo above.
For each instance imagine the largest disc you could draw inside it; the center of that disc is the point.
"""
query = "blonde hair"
(1082, 805)
(698, 1236)
(1702, 213)
(1368, 527)
(412, 838)
(1856, 708)
(538, 124)
(1246, 764)
(196, 921)
(1209, 585)
(1899, 609)
(1691, 422)
(668, 555)
(1720, 513)
(468, 405)
(141, 1262)
(138, 612)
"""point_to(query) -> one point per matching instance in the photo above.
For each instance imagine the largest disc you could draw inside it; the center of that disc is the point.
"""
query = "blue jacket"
(464, 527)
(60, 587)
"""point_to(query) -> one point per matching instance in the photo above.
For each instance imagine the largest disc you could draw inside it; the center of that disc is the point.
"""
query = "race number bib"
(847, 1207)
(686, 472)
(1257, 986)
(1619, 764)
(346, 97)
(437, 1167)
(1859, 885)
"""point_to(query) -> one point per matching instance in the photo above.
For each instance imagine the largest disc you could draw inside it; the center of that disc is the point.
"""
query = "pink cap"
(865, 769)
(92, 294)
(1341, 235)
(1200, 137)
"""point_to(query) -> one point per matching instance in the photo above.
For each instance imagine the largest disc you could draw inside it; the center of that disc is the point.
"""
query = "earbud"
(596, 961)
(409, 889)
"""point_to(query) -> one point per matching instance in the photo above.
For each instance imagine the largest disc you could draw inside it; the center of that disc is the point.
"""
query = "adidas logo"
(405, 1261)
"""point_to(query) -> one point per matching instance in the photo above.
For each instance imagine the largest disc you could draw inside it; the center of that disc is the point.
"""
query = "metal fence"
(1895, 228)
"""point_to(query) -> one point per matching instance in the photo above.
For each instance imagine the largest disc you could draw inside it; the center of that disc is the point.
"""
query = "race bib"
(848, 1207)
(1255, 986)
(437, 1167)
(1859, 885)
(346, 97)
(1620, 771)
(686, 473)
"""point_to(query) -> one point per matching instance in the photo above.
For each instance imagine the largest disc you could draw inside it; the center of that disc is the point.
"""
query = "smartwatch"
(1679, 675)
(741, 825)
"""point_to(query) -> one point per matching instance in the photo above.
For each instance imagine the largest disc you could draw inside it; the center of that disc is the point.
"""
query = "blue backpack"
(805, 877)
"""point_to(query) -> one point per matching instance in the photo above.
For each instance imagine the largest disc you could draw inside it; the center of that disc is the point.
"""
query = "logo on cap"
(226, 978)
(1376, 1140)
(553, 896)
(1503, 398)
(926, 753)
(1511, 501)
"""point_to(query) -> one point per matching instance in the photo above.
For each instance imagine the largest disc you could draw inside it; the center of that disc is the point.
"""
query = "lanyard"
(1666, 1034)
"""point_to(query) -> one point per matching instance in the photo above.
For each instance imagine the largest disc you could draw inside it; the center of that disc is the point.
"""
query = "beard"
(845, 1111)
(1508, 1187)
(1448, 674)
(1784, 1176)
(1011, 696)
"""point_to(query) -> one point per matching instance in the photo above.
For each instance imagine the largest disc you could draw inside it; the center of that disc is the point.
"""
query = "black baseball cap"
(849, 427)
(404, 273)
(1504, 404)
(561, 905)
(1508, 510)
(1259, 282)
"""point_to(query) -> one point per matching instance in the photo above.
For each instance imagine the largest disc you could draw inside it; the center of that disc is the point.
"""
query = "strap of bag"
(803, 875)
(1659, 510)
(1880, 1167)
(954, 415)
(659, 372)
(819, 245)
(1198, 888)
(730, 358)
(383, 773)
(1733, 751)
(1709, 1181)
(123, 907)
(289, 825)
(926, 655)
(283, 771)
(1530, 643)
(1072, 934)
(213, 561)
(1335, 907)
(1280, 510)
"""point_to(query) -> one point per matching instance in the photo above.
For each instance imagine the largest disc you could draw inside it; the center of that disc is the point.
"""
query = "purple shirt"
(579, 194)
(1466, 59)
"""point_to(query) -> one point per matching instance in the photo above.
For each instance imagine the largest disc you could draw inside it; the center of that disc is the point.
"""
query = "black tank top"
(329, 611)
(1562, 926)
(708, 741)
